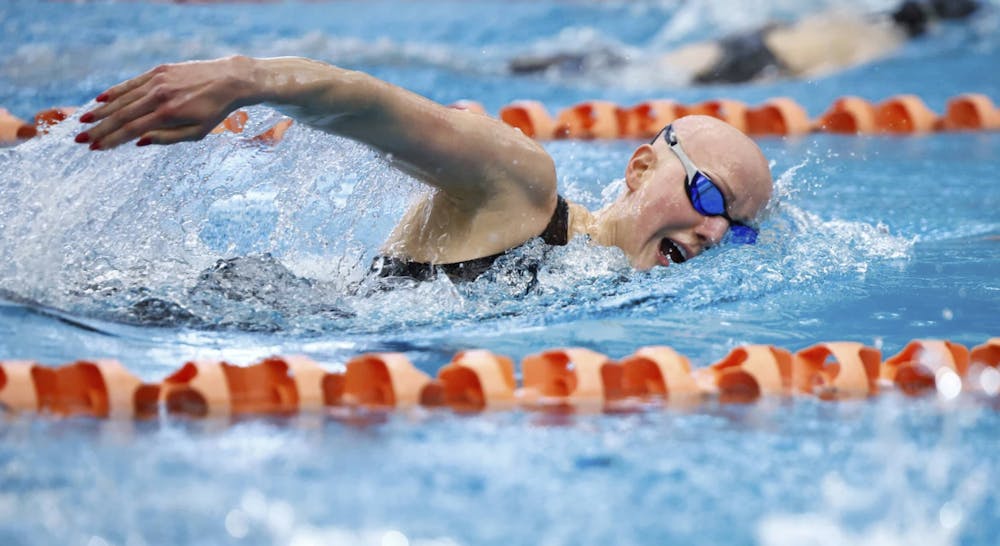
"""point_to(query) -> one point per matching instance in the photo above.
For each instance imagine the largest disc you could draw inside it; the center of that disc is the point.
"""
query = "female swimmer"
(494, 188)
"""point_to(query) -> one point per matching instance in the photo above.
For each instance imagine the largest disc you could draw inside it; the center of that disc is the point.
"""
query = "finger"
(173, 135)
(123, 88)
(128, 123)
(105, 110)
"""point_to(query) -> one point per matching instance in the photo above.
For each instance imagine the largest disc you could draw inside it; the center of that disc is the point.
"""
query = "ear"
(640, 166)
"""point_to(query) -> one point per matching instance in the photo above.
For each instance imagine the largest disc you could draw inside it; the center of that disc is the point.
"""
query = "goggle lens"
(742, 235)
(706, 197)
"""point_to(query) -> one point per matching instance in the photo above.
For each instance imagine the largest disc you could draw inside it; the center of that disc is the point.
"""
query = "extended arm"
(474, 159)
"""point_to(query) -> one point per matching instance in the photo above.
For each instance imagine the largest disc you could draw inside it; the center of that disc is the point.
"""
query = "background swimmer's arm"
(473, 158)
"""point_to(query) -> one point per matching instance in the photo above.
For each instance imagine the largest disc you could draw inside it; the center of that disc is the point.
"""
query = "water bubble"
(949, 384)
(989, 380)
(281, 517)
(950, 515)
(254, 504)
(395, 538)
(236, 523)
(947, 314)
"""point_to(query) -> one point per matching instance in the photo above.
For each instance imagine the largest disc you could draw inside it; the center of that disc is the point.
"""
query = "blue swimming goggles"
(705, 196)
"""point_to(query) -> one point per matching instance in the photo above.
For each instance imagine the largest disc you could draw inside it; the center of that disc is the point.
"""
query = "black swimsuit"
(744, 57)
(555, 234)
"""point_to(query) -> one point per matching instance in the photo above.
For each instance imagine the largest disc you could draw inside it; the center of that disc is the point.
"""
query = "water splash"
(226, 233)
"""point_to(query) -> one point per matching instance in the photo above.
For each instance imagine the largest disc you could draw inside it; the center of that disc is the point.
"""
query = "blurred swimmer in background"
(816, 45)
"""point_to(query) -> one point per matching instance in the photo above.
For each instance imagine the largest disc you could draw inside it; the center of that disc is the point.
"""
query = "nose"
(711, 230)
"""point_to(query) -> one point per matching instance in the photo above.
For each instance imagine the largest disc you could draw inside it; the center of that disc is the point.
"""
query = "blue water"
(876, 239)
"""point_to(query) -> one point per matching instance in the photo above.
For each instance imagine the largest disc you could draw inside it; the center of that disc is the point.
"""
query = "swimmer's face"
(657, 224)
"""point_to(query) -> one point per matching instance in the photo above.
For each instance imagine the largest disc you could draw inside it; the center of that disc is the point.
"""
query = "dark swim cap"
(914, 16)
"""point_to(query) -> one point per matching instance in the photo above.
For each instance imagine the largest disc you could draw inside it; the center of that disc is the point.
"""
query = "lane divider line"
(562, 379)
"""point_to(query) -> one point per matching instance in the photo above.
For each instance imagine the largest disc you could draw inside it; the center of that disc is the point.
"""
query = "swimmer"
(812, 47)
(698, 183)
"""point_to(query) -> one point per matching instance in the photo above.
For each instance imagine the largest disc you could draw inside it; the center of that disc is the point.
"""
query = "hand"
(170, 103)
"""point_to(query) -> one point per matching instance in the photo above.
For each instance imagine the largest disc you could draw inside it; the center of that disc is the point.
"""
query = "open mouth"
(672, 251)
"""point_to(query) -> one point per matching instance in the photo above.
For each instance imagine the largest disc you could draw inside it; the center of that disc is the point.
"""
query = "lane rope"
(599, 119)
(561, 379)
(780, 116)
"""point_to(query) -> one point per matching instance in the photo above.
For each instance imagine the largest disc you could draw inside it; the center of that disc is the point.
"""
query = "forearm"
(310, 91)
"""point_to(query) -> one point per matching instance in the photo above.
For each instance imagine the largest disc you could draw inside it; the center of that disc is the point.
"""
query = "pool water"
(879, 240)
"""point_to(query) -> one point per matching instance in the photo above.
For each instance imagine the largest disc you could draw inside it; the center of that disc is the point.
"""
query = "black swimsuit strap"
(555, 234)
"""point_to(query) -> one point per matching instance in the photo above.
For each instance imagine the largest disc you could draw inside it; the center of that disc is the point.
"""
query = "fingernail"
(103, 97)
(95, 145)
(87, 118)
(144, 141)
(82, 138)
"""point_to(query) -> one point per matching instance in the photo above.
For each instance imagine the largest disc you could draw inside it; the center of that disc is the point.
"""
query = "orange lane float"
(10, 125)
(468, 106)
(914, 369)
(987, 354)
(848, 115)
(570, 376)
(279, 385)
(984, 368)
(646, 119)
(749, 372)
(733, 112)
(658, 372)
(383, 380)
(596, 119)
(234, 123)
(275, 134)
(531, 118)
(904, 114)
(473, 381)
(778, 116)
(836, 370)
(308, 377)
(94, 388)
(971, 112)
(43, 120)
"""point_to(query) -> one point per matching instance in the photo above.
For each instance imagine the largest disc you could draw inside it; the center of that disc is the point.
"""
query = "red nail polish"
(82, 138)
(103, 97)
(144, 141)
(87, 118)
(95, 145)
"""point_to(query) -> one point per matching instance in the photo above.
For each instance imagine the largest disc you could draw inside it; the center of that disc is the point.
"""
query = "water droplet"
(949, 385)
(950, 515)
(395, 538)
(989, 380)
(236, 523)
(254, 504)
